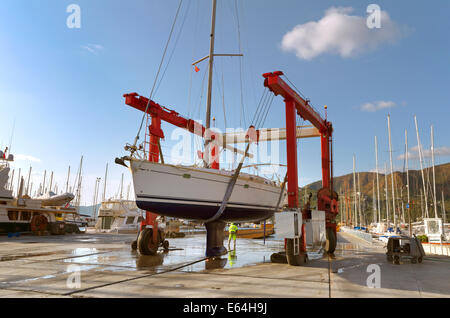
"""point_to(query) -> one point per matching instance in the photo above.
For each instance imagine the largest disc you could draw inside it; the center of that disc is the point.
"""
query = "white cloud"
(373, 107)
(339, 33)
(92, 48)
(21, 157)
(413, 153)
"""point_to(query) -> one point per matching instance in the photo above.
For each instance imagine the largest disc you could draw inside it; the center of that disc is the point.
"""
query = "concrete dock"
(103, 265)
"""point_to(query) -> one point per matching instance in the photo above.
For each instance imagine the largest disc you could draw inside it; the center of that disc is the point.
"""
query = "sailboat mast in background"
(354, 192)
(378, 181)
(392, 173)
(421, 168)
(407, 182)
(434, 175)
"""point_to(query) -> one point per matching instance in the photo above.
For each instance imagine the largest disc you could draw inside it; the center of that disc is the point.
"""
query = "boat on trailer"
(24, 214)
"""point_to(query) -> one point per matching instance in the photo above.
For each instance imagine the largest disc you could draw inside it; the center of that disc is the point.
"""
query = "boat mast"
(378, 181)
(210, 78)
(421, 167)
(43, 183)
(121, 187)
(51, 182)
(407, 180)
(359, 203)
(392, 173)
(12, 181)
(374, 202)
(387, 195)
(94, 201)
(443, 209)
(28, 192)
(18, 181)
(104, 187)
(78, 201)
(434, 176)
(67, 181)
(354, 192)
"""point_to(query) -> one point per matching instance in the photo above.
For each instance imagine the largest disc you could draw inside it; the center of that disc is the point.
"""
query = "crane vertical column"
(291, 145)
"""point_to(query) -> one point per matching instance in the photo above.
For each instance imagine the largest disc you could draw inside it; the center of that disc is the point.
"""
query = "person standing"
(232, 230)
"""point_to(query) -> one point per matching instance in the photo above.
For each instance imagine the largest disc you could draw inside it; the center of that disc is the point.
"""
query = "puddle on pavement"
(182, 251)
(343, 249)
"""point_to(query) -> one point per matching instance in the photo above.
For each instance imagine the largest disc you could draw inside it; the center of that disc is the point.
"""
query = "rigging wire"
(175, 46)
(157, 74)
(240, 64)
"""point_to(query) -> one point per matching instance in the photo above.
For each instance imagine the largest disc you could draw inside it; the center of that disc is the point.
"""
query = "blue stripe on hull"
(204, 212)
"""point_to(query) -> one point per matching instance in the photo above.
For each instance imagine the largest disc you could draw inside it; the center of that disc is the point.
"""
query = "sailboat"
(207, 194)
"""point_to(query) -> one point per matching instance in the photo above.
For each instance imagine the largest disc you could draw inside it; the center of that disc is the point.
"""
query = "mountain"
(344, 186)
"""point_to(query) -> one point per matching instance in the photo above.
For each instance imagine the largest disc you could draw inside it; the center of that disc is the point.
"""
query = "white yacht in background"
(119, 216)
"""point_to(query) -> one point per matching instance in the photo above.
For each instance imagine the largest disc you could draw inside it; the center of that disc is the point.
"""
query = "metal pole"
(434, 176)
(443, 211)
(378, 181)
(354, 192)
(104, 187)
(28, 192)
(392, 173)
(421, 167)
(67, 181)
(359, 203)
(18, 181)
(407, 181)
(374, 204)
(43, 184)
(210, 78)
(121, 187)
(387, 195)
(51, 182)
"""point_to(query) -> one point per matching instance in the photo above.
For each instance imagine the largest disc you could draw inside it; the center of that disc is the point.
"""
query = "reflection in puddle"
(215, 263)
(145, 261)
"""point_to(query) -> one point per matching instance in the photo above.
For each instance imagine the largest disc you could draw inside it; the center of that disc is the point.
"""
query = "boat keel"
(214, 239)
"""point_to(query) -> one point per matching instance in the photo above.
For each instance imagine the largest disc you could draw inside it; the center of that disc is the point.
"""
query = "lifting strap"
(229, 190)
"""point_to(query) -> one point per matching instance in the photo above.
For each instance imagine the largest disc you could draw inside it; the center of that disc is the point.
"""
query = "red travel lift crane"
(148, 240)
(327, 198)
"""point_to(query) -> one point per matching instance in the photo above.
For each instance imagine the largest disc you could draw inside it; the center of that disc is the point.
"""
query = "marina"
(223, 178)
(41, 267)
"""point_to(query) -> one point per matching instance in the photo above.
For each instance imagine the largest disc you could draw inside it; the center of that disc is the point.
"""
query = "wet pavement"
(104, 265)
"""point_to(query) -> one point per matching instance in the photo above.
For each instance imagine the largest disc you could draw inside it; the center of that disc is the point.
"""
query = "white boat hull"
(197, 193)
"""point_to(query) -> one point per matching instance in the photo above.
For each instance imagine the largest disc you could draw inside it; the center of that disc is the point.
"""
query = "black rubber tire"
(397, 260)
(166, 245)
(145, 242)
(330, 244)
(134, 245)
(420, 259)
(294, 260)
(279, 258)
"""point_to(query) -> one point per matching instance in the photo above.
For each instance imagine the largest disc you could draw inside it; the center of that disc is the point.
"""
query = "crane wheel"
(278, 258)
(145, 243)
(330, 244)
(294, 260)
(166, 246)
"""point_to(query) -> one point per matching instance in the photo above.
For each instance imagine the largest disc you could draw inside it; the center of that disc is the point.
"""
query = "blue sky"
(63, 87)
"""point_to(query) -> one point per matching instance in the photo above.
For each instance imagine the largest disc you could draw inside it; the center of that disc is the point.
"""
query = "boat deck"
(107, 267)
